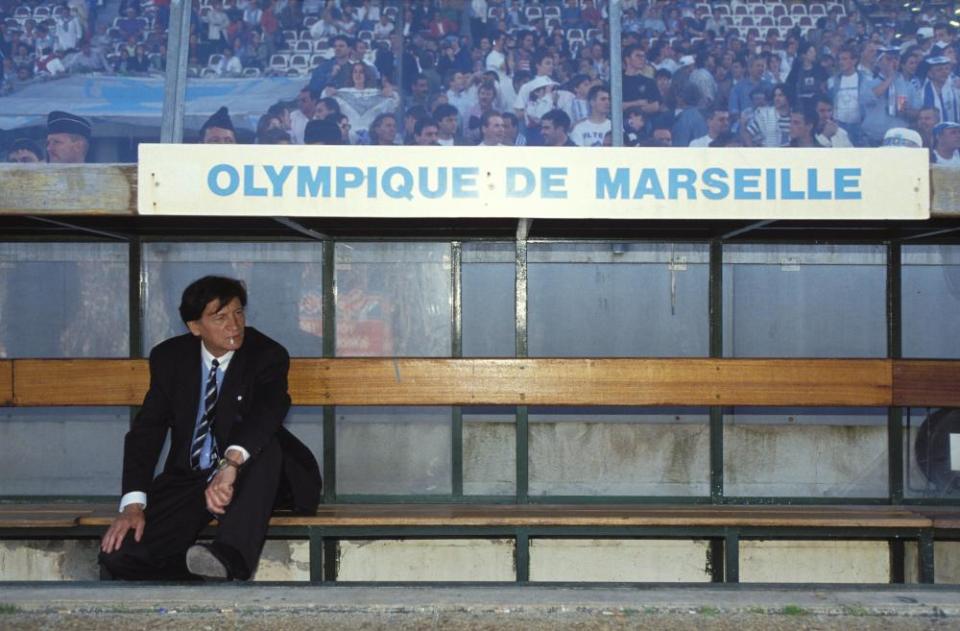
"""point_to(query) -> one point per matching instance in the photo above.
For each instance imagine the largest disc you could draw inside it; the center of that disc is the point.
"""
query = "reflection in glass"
(931, 301)
(392, 451)
(618, 300)
(63, 300)
(284, 286)
(488, 299)
(393, 299)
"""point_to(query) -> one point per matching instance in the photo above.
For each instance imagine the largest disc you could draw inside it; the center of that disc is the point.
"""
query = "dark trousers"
(176, 513)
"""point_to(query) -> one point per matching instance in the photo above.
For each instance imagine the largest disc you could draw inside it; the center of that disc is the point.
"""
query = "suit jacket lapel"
(191, 374)
(227, 402)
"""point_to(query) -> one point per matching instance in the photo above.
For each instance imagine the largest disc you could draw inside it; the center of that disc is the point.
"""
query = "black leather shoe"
(205, 561)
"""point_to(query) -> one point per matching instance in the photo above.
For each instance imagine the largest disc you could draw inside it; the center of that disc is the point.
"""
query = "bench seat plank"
(454, 515)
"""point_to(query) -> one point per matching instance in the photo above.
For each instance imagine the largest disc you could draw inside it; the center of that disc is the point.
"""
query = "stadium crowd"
(523, 72)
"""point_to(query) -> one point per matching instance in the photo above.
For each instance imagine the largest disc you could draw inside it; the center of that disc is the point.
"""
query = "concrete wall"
(618, 560)
(427, 560)
(814, 562)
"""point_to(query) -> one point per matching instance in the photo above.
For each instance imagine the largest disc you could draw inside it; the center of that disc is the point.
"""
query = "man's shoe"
(203, 561)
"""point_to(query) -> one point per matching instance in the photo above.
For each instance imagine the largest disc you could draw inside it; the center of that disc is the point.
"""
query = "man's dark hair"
(629, 50)
(558, 118)
(486, 116)
(510, 116)
(724, 139)
(330, 103)
(663, 72)
(423, 123)
(201, 292)
(443, 110)
(595, 90)
(809, 114)
(342, 38)
(273, 136)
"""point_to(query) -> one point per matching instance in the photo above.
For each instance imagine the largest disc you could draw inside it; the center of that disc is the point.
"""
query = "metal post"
(715, 300)
(895, 438)
(175, 85)
(731, 566)
(456, 271)
(522, 431)
(616, 73)
(329, 350)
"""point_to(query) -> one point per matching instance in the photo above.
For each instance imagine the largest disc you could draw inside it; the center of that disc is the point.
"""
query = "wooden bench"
(583, 382)
(724, 526)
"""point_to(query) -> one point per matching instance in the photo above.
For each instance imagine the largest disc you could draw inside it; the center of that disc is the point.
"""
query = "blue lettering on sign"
(547, 183)
(213, 180)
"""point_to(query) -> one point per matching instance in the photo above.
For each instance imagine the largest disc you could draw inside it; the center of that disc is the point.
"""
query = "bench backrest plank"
(547, 381)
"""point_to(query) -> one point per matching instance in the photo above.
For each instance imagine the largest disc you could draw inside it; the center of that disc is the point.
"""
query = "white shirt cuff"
(244, 454)
(133, 497)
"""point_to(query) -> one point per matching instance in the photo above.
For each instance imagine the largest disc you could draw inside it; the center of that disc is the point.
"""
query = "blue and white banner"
(534, 182)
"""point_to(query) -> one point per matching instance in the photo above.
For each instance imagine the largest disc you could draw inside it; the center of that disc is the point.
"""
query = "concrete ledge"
(485, 602)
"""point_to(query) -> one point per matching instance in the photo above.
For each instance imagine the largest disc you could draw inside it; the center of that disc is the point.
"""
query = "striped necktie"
(203, 427)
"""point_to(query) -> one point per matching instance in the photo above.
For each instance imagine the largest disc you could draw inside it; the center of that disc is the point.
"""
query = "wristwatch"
(223, 463)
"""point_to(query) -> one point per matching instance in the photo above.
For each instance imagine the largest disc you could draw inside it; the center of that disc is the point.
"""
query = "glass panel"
(804, 301)
(284, 285)
(931, 301)
(655, 452)
(805, 453)
(306, 423)
(488, 274)
(108, 67)
(931, 460)
(394, 299)
(64, 300)
(61, 451)
(489, 451)
(393, 451)
(618, 300)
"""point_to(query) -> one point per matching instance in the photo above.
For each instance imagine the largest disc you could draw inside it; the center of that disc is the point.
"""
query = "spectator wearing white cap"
(939, 92)
(946, 147)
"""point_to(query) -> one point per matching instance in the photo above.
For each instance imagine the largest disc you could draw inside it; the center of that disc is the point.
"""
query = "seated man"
(220, 391)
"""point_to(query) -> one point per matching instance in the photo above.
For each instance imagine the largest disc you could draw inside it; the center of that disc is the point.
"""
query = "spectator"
(425, 133)
(639, 90)
(828, 133)
(334, 71)
(770, 126)
(460, 94)
(939, 92)
(68, 138)
(492, 129)
(740, 95)
(807, 79)
(383, 130)
(322, 132)
(448, 122)
(718, 123)
(927, 119)
(512, 135)
(86, 60)
(555, 127)
(579, 108)
(274, 136)
(486, 101)
(590, 132)
(218, 129)
(726, 140)
(902, 137)
(946, 148)
(25, 151)
(634, 127)
(306, 108)
(689, 123)
(343, 124)
(848, 89)
(703, 76)
(139, 63)
(662, 136)
(802, 123)
(383, 28)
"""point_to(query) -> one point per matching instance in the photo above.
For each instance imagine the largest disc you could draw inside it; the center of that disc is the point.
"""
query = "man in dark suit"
(221, 393)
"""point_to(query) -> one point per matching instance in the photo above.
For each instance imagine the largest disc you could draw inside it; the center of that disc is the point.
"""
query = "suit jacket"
(251, 407)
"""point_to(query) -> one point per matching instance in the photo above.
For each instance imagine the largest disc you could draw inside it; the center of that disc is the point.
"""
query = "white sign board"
(533, 182)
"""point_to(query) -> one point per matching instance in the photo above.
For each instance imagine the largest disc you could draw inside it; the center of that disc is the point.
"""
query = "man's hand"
(219, 492)
(131, 518)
